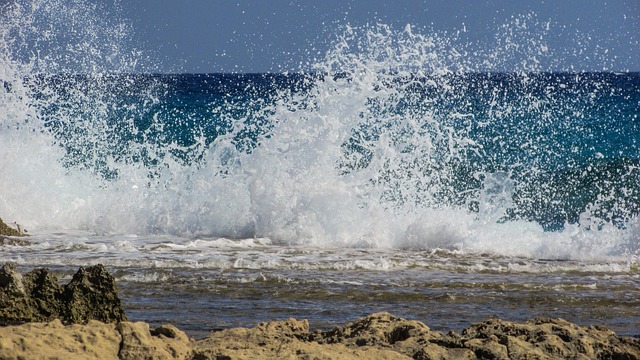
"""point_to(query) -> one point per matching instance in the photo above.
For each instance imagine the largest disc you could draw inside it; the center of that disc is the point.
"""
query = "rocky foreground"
(378, 336)
(83, 320)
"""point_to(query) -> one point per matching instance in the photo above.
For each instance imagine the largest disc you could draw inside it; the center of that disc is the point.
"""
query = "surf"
(397, 138)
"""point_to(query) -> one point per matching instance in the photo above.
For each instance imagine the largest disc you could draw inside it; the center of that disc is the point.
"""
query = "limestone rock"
(91, 294)
(6, 230)
(11, 280)
(374, 337)
(95, 340)
(165, 342)
(37, 297)
(547, 338)
(52, 340)
(8, 235)
(43, 293)
(279, 340)
(29, 298)
(377, 329)
(494, 339)
(381, 330)
(4, 241)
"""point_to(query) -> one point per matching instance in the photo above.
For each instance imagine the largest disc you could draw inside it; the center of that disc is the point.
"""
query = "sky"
(205, 36)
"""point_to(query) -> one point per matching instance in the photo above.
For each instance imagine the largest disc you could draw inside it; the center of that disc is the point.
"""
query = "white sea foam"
(300, 187)
(178, 253)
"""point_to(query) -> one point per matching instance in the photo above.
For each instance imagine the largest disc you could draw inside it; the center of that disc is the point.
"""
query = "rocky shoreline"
(12, 236)
(84, 319)
(378, 336)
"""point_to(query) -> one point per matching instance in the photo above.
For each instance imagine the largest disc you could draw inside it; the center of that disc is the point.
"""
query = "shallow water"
(201, 285)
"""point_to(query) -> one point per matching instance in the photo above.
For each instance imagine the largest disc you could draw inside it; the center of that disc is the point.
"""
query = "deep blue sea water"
(553, 146)
(395, 177)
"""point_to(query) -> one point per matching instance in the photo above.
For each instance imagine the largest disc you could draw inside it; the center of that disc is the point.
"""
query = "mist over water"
(397, 138)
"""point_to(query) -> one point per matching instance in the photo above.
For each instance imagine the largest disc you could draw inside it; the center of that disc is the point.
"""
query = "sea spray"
(397, 138)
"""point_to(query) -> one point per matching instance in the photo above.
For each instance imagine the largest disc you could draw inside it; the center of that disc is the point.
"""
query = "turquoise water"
(560, 143)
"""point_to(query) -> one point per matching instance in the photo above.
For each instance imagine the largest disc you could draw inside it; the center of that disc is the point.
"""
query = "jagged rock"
(91, 294)
(8, 234)
(279, 340)
(37, 297)
(4, 241)
(11, 280)
(548, 338)
(43, 294)
(6, 230)
(16, 304)
(381, 330)
(494, 339)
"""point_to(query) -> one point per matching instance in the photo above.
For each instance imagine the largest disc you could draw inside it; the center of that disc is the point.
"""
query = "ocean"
(394, 174)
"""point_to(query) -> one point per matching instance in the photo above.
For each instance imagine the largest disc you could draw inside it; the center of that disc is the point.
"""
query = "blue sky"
(277, 35)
